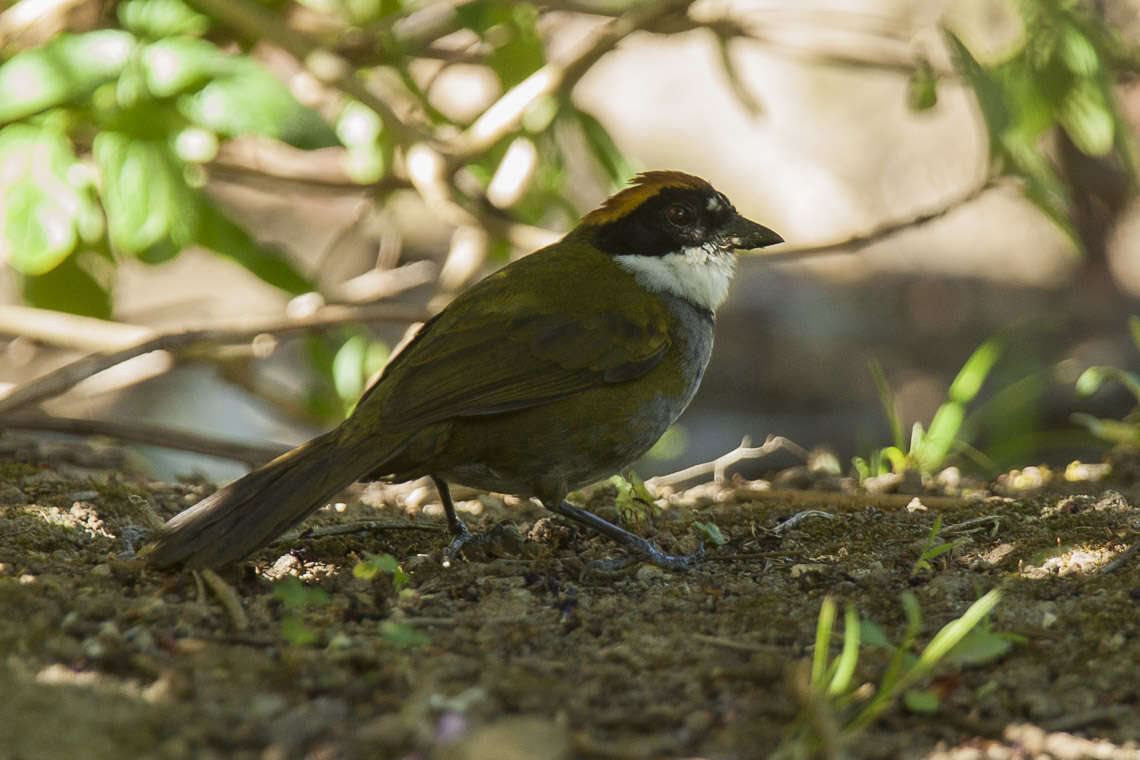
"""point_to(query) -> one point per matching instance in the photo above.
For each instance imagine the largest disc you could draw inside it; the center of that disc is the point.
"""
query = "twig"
(353, 527)
(718, 466)
(252, 454)
(858, 242)
(720, 641)
(70, 330)
(1121, 559)
(847, 501)
(62, 379)
(229, 598)
(504, 114)
(799, 517)
(246, 157)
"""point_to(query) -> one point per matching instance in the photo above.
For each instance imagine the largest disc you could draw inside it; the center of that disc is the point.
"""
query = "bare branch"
(857, 243)
(253, 454)
(718, 466)
(62, 379)
(70, 330)
(503, 116)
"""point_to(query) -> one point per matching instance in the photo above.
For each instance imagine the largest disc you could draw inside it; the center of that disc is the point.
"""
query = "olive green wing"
(510, 359)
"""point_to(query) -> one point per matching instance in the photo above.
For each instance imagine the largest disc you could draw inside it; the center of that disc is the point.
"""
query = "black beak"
(744, 235)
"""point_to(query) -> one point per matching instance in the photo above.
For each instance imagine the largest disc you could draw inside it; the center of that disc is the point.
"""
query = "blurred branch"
(70, 330)
(259, 157)
(718, 466)
(856, 243)
(252, 454)
(256, 22)
(774, 37)
(60, 380)
(503, 116)
(34, 19)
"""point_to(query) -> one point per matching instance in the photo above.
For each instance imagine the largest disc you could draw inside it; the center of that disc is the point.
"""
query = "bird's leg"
(462, 534)
(636, 544)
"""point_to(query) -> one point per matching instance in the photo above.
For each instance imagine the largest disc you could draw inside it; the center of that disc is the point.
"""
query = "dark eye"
(680, 215)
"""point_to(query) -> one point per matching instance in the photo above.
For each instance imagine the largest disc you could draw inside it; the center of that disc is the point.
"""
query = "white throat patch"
(699, 275)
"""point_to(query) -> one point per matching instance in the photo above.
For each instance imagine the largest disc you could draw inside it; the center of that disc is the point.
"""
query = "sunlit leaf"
(162, 18)
(177, 64)
(250, 101)
(151, 212)
(46, 204)
(1087, 117)
(973, 374)
(65, 69)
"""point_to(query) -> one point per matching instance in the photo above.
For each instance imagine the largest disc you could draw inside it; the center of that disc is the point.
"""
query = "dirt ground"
(531, 649)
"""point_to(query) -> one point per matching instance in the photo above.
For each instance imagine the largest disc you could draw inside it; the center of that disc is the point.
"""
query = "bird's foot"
(504, 534)
(643, 551)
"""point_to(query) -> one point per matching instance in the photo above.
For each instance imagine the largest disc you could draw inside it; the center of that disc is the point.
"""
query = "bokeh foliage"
(109, 130)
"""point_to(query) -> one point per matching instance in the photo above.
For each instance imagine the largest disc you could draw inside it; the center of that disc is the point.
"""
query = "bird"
(557, 371)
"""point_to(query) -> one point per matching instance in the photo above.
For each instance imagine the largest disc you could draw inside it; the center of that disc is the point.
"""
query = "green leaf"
(936, 444)
(605, 151)
(922, 89)
(1087, 117)
(295, 632)
(46, 205)
(990, 94)
(849, 656)
(521, 53)
(922, 701)
(873, 635)
(69, 287)
(178, 64)
(249, 100)
(295, 595)
(1113, 431)
(711, 531)
(162, 18)
(820, 655)
(887, 400)
(973, 374)
(979, 646)
(67, 68)
(1093, 378)
(220, 234)
(151, 212)
(403, 635)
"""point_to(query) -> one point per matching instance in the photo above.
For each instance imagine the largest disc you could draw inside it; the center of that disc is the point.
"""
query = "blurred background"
(273, 194)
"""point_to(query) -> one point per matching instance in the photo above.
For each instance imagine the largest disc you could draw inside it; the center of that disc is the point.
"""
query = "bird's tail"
(253, 510)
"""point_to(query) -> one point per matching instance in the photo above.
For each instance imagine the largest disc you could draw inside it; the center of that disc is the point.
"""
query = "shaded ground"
(527, 651)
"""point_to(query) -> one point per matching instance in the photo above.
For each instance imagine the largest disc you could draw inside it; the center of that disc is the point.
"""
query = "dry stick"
(231, 601)
(252, 454)
(62, 379)
(883, 231)
(353, 527)
(845, 501)
(718, 466)
(503, 116)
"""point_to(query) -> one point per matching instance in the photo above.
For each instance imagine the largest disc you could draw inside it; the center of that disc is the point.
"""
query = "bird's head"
(676, 234)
